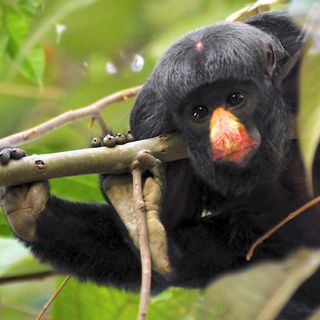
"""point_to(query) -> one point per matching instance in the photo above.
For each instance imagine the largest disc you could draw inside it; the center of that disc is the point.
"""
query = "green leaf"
(54, 12)
(81, 188)
(90, 302)
(17, 26)
(33, 64)
(30, 7)
(309, 115)
(176, 303)
(253, 293)
(4, 40)
(4, 226)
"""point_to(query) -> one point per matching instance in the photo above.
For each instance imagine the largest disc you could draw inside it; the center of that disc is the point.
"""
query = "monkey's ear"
(271, 60)
(150, 116)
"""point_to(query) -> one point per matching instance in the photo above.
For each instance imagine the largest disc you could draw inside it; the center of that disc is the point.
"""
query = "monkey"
(218, 87)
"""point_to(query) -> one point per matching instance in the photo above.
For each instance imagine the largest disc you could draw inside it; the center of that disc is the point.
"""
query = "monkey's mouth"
(239, 157)
(230, 140)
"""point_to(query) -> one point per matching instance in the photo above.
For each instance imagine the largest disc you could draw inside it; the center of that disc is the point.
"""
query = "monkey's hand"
(22, 204)
(119, 191)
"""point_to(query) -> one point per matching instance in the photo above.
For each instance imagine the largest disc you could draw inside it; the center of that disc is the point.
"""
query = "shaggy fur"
(90, 241)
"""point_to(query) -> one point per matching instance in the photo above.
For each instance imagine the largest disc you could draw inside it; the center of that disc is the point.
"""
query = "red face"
(230, 141)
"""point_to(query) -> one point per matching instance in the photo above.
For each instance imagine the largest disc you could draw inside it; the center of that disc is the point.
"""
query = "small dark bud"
(130, 137)
(109, 141)
(121, 138)
(96, 142)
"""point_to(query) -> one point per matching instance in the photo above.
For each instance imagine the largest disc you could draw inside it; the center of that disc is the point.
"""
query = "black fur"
(91, 242)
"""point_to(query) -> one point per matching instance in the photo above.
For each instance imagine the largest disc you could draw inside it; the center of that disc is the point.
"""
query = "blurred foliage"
(17, 17)
(255, 296)
(309, 115)
(59, 55)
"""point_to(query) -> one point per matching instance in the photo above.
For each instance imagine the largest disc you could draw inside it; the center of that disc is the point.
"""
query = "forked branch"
(93, 110)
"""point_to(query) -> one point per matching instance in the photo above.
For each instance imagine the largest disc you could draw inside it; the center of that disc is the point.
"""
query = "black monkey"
(218, 87)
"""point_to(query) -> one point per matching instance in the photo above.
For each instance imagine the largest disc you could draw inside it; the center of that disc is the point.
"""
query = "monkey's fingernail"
(130, 137)
(17, 154)
(109, 141)
(96, 142)
(121, 138)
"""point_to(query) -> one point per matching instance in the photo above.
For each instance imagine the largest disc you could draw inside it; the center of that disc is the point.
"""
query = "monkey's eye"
(235, 98)
(200, 112)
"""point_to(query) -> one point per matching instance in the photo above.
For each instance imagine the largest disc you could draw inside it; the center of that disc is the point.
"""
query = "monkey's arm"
(199, 253)
(86, 240)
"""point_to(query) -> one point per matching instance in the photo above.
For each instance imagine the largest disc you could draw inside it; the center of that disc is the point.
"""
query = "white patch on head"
(199, 46)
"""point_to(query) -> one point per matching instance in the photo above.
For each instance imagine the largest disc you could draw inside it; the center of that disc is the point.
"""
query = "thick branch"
(66, 118)
(95, 160)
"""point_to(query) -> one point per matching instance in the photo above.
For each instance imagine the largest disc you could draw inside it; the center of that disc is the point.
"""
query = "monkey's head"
(216, 87)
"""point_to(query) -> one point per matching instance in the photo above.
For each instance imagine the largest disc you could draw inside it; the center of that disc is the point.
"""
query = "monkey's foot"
(22, 204)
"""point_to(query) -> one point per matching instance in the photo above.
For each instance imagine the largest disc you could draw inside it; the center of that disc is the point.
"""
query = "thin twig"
(291, 216)
(103, 125)
(67, 117)
(139, 208)
(27, 277)
(52, 298)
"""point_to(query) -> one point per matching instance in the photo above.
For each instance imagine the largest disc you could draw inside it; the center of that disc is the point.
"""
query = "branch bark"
(52, 298)
(85, 161)
(68, 117)
(27, 277)
(140, 212)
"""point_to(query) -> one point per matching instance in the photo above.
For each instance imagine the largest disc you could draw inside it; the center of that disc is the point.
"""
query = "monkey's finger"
(154, 165)
(96, 142)
(17, 153)
(109, 141)
(38, 195)
(147, 160)
(130, 136)
(3, 191)
(158, 174)
(152, 194)
(121, 138)
(5, 156)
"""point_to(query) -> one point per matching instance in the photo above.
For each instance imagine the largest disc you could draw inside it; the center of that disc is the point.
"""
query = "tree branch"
(52, 298)
(95, 160)
(27, 277)
(68, 117)
(278, 226)
(140, 213)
